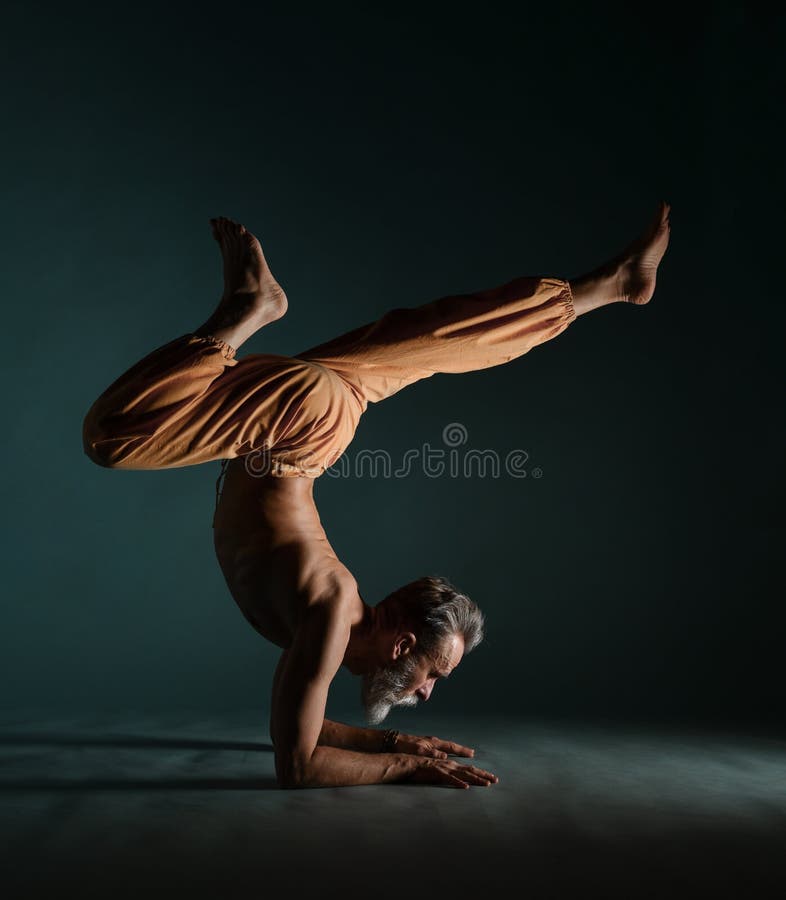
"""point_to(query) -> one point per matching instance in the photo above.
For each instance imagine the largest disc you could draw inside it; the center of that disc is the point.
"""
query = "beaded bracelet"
(389, 740)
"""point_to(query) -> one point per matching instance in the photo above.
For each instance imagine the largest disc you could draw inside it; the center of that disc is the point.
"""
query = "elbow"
(287, 781)
(293, 772)
(103, 449)
(286, 774)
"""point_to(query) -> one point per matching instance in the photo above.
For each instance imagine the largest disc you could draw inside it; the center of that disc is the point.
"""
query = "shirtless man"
(191, 401)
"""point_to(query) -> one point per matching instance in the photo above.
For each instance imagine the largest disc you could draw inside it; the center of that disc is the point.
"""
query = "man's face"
(409, 678)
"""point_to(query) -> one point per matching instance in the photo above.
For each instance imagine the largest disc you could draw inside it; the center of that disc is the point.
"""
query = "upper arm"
(301, 685)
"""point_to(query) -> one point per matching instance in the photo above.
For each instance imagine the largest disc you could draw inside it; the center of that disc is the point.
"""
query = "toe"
(661, 219)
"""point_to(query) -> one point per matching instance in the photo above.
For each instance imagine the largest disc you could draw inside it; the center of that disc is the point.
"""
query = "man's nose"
(425, 692)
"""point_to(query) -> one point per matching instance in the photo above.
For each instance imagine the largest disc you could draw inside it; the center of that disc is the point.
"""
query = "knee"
(98, 454)
(97, 444)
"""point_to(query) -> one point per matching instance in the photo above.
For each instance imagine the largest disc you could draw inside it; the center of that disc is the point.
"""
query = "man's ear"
(404, 644)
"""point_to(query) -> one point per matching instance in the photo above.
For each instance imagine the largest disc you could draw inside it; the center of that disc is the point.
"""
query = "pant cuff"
(570, 309)
(227, 350)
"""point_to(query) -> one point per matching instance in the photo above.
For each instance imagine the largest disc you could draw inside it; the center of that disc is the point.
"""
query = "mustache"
(386, 687)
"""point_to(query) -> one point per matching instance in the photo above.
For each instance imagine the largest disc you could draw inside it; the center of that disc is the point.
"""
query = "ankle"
(221, 328)
(598, 288)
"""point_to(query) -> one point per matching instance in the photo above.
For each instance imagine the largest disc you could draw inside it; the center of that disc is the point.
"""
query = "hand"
(450, 773)
(429, 746)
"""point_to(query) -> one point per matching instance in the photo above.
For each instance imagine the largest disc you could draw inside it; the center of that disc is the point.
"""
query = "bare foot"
(638, 264)
(630, 276)
(252, 297)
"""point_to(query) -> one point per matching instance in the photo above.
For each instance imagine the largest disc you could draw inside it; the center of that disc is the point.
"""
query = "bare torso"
(273, 550)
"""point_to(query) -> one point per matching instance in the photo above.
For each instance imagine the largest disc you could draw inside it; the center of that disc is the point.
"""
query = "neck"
(362, 654)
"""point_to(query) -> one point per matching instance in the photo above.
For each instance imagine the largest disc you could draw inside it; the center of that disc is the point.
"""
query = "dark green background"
(386, 158)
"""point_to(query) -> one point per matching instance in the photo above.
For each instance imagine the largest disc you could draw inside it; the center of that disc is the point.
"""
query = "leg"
(467, 332)
(191, 401)
(458, 333)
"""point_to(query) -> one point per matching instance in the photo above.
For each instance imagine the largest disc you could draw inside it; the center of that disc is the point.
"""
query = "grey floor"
(178, 806)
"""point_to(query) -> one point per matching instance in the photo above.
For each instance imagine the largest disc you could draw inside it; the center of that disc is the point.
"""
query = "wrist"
(389, 740)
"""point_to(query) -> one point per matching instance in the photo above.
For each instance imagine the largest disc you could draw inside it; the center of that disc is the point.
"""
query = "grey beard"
(385, 688)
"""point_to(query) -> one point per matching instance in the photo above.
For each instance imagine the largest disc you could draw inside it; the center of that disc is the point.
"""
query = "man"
(278, 423)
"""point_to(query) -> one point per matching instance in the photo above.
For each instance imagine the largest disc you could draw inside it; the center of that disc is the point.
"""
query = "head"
(426, 627)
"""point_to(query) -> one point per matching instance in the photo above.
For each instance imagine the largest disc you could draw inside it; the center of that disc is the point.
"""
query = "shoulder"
(321, 635)
(333, 603)
(338, 603)
(332, 584)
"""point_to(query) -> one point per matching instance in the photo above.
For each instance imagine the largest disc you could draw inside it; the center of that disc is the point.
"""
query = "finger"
(481, 780)
(459, 750)
(482, 772)
(428, 750)
(462, 770)
(454, 781)
(437, 754)
(461, 767)
(452, 748)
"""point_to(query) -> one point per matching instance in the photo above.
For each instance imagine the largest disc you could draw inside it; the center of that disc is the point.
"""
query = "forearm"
(334, 767)
(348, 737)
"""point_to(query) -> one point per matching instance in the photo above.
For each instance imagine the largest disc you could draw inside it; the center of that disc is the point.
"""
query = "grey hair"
(434, 609)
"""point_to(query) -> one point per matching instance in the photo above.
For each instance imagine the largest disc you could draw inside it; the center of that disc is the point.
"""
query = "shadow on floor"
(139, 784)
(133, 783)
(32, 738)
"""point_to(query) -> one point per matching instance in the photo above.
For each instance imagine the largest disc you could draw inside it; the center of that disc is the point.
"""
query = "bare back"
(273, 550)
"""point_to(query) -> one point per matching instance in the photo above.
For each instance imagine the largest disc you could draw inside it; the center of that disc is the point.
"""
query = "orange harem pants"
(191, 401)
